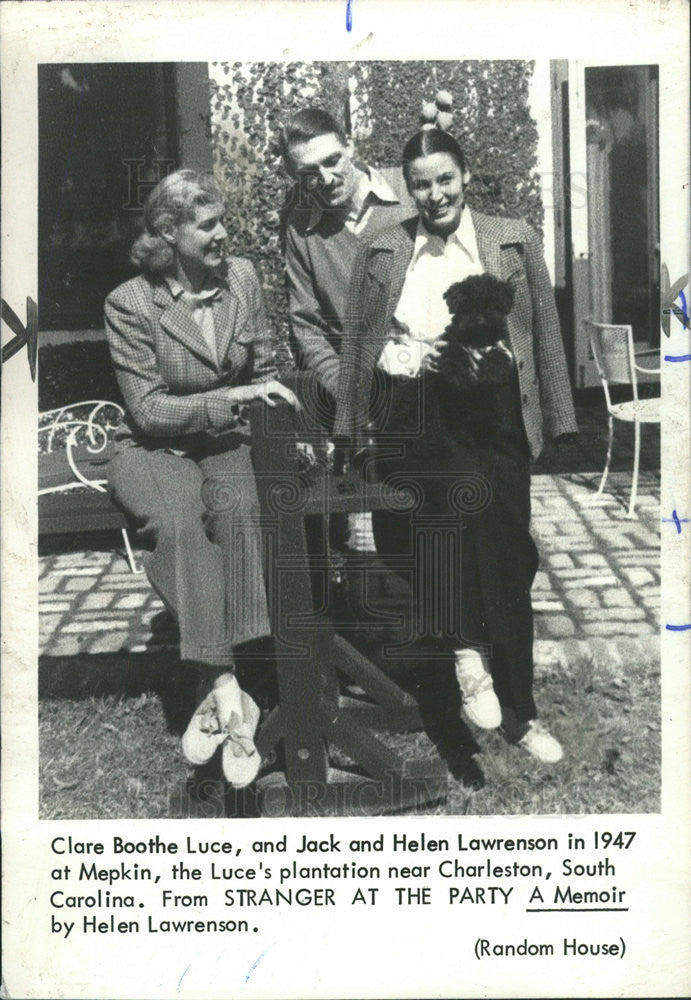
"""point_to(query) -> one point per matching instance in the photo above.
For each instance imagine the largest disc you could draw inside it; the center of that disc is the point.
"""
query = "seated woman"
(191, 345)
(397, 320)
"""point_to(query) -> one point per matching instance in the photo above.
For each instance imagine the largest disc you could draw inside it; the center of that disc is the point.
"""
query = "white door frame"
(585, 371)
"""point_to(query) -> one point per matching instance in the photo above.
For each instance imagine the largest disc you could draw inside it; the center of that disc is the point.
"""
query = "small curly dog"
(479, 307)
(459, 397)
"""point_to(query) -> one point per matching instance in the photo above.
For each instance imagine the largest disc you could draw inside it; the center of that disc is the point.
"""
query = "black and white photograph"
(345, 516)
(242, 348)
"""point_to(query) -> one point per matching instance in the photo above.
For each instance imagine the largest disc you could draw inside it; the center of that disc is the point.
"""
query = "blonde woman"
(191, 345)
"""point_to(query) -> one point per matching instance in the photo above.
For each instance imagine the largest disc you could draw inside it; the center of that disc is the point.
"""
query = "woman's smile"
(199, 241)
(215, 251)
(438, 211)
(436, 184)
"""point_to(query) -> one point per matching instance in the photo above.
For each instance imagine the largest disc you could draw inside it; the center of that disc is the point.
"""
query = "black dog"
(457, 401)
(479, 307)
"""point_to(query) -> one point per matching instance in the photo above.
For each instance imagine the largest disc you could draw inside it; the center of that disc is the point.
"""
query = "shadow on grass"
(432, 682)
(110, 725)
(128, 675)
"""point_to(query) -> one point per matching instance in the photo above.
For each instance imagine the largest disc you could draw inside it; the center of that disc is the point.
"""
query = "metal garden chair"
(616, 360)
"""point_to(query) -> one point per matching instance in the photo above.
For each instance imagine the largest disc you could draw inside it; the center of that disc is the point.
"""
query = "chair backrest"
(83, 432)
(613, 351)
(93, 417)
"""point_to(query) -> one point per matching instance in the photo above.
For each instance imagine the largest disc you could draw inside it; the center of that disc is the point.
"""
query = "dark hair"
(172, 202)
(429, 141)
(306, 125)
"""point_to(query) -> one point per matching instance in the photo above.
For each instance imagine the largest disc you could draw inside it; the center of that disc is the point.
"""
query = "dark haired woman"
(396, 321)
(191, 345)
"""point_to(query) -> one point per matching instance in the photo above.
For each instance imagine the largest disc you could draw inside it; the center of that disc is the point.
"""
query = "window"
(107, 133)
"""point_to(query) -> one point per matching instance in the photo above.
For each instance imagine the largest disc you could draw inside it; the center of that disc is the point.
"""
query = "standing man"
(339, 203)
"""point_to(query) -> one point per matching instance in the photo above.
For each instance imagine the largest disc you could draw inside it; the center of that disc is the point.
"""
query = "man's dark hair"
(306, 125)
(429, 141)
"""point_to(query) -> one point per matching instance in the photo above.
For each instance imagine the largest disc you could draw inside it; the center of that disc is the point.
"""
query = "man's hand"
(305, 453)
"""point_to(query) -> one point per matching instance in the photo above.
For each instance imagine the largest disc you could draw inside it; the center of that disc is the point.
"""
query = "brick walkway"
(597, 591)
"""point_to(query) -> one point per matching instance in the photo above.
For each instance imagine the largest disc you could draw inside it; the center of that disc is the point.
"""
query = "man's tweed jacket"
(171, 384)
(509, 249)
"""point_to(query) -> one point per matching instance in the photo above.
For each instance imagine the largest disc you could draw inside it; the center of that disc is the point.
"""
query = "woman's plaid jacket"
(510, 250)
(172, 385)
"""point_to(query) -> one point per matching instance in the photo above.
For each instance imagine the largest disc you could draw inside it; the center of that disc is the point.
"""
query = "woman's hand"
(430, 362)
(268, 392)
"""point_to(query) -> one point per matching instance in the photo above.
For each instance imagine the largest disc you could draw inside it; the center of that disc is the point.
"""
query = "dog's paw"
(457, 366)
(494, 367)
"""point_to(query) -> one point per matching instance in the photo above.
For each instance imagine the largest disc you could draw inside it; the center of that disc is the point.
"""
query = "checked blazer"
(510, 250)
(172, 385)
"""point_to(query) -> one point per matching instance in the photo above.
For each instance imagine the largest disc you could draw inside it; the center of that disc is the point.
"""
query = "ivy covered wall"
(380, 103)
(250, 102)
(491, 120)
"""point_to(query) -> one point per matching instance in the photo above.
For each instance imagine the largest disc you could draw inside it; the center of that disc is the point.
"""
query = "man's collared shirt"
(422, 314)
(320, 255)
(372, 190)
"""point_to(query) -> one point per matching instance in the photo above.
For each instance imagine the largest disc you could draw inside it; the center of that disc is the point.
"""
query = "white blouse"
(422, 314)
(201, 306)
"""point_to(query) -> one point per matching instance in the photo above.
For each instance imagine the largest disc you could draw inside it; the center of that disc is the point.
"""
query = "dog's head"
(479, 306)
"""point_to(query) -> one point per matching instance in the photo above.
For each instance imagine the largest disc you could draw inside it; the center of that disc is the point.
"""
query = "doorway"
(613, 133)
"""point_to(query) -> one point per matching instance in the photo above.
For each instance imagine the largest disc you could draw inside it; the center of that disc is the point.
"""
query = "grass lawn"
(112, 750)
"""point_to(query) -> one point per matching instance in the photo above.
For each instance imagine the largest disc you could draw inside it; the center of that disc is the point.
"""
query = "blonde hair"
(172, 202)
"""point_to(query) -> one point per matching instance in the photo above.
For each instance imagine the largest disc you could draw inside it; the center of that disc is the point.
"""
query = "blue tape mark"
(677, 357)
(678, 628)
(349, 15)
(683, 309)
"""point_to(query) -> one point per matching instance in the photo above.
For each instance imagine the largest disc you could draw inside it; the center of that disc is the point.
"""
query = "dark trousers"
(201, 513)
(469, 589)
(468, 540)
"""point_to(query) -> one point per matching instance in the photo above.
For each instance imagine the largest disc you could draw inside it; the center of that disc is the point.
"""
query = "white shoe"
(203, 735)
(228, 695)
(541, 744)
(478, 699)
(206, 732)
(241, 759)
